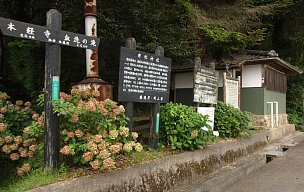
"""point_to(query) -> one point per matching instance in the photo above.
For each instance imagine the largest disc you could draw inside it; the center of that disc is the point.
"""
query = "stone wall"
(265, 120)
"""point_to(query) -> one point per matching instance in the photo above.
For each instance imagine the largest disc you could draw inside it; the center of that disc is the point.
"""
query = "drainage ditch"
(280, 151)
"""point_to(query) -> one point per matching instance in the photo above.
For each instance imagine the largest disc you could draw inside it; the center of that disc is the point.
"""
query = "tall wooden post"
(2, 68)
(51, 92)
(224, 87)
(239, 92)
(155, 116)
(131, 44)
(197, 63)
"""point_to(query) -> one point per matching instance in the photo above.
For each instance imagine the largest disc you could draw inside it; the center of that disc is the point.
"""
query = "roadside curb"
(220, 180)
(165, 173)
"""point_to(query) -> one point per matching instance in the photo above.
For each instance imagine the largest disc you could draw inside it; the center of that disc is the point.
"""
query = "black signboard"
(205, 85)
(143, 77)
(35, 32)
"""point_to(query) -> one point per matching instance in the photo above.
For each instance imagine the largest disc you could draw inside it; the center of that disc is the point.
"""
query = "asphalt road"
(283, 174)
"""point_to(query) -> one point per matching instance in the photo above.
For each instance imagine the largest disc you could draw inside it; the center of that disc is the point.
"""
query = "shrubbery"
(295, 118)
(19, 139)
(229, 121)
(93, 132)
(182, 128)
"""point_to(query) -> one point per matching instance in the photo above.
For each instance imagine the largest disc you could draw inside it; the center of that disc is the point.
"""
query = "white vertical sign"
(210, 111)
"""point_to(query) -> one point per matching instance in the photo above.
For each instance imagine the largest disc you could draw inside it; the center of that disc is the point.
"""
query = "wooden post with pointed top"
(51, 92)
(131, 44)
(197, 63)
(155, 116)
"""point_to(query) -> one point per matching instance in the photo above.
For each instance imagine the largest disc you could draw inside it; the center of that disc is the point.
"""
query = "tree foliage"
(223, 43)
(185, 28)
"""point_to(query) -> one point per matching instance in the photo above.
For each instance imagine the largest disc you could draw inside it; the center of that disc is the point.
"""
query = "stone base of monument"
(91, 84)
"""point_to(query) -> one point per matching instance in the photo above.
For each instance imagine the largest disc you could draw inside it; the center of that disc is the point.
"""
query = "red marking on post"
(94, 30)
(90, 7)
(94, 60)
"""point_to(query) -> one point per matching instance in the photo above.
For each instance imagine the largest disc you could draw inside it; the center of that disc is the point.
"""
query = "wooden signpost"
(205, 90)
(145, 78)
(49, 34)
(54, 37)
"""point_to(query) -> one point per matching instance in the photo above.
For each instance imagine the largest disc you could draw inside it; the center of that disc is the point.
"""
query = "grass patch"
(148, 155)
(248, 132)
(34, 179)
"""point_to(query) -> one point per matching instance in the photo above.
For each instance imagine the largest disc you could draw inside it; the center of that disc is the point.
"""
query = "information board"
(205, 85)
(232, 92)
(143, 77)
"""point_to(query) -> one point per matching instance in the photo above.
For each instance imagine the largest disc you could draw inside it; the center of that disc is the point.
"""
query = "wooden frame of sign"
(205, 89)
(205, 84)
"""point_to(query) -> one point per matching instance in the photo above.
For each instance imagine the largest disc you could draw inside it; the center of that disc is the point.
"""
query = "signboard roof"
(23, 30)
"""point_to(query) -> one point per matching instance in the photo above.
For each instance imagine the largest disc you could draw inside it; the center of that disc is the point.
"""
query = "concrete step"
(288, 141)
(275, 153)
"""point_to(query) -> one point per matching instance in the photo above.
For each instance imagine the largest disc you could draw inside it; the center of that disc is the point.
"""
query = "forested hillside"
(185, 28)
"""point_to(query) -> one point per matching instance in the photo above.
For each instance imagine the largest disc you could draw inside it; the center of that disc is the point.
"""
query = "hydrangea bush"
(19, 140)
(93, 132)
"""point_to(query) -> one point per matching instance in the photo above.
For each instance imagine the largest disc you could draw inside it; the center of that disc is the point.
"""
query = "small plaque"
(55, 88)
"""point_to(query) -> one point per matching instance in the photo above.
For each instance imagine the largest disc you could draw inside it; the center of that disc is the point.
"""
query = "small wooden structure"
(263, 78)
(264, 85)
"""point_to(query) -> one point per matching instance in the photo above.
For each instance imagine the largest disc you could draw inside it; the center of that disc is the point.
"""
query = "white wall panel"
(252, 76)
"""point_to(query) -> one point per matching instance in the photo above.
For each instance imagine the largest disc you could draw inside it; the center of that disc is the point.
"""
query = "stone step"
(275, 153)
(286, 142)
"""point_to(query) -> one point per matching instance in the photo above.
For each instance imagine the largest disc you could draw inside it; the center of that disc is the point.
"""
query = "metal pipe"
(271, 111)
(277, 112)
(91, 30)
